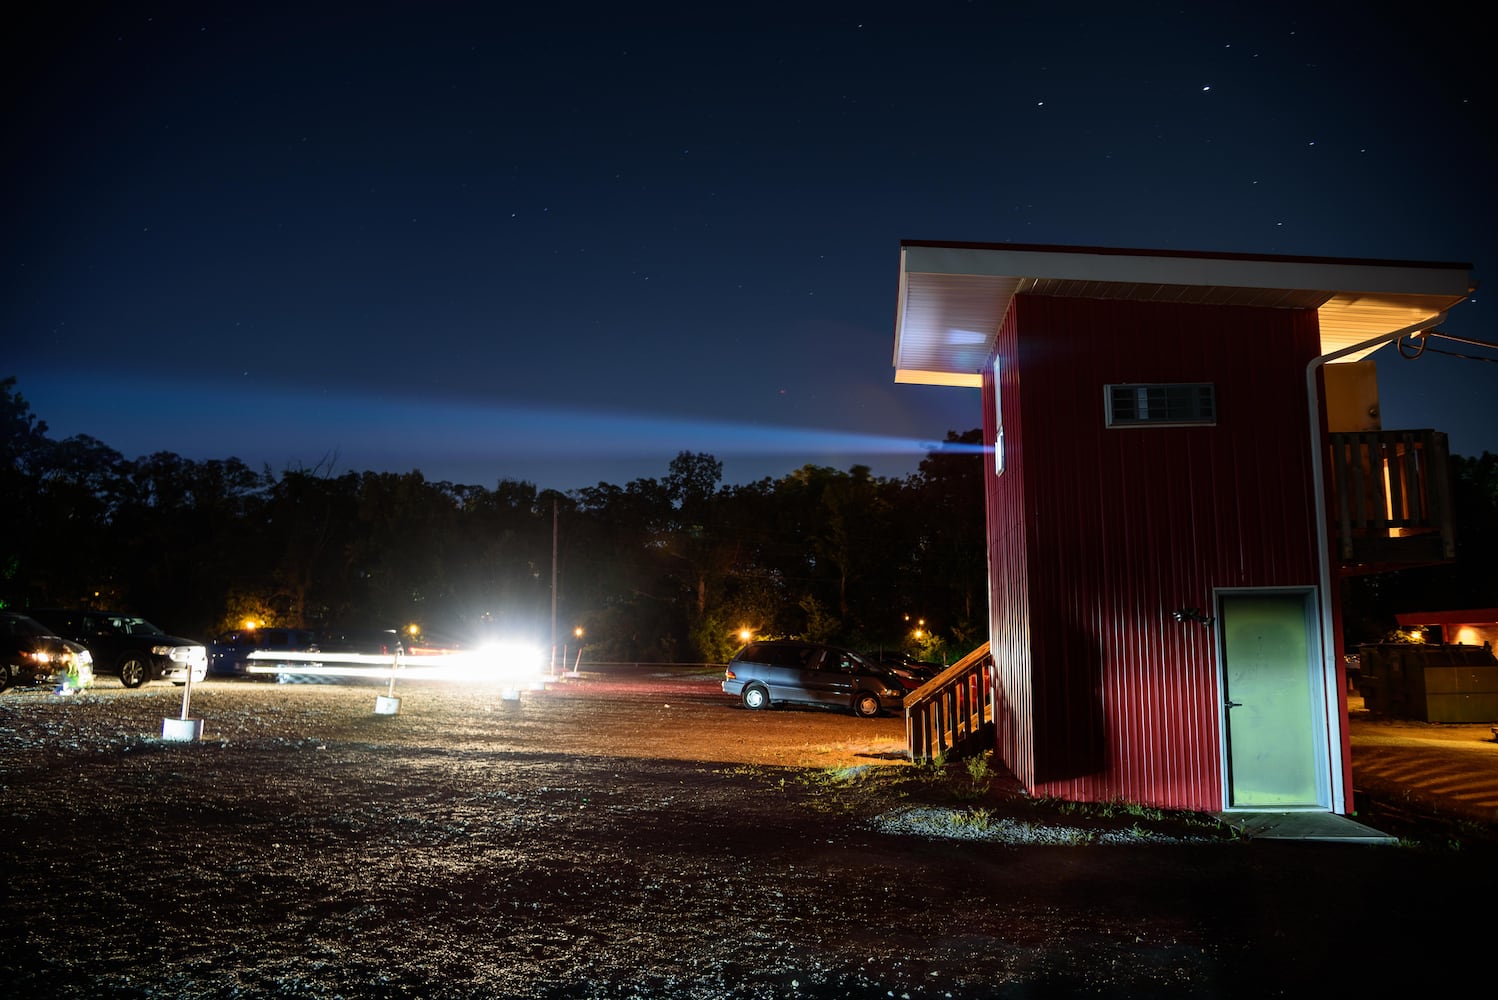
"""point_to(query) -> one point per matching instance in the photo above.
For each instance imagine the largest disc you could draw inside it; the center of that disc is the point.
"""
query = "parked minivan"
(768, 673)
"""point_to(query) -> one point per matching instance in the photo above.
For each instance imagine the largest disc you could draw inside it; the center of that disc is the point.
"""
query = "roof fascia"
(1327, 276)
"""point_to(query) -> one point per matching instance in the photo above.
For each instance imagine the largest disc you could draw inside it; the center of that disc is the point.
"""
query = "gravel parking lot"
(643, 836)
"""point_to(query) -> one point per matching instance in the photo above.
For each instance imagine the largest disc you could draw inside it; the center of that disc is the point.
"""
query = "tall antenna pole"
(553, 585)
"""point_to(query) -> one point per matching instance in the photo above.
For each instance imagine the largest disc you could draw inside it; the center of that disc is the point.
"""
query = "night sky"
(441, 237)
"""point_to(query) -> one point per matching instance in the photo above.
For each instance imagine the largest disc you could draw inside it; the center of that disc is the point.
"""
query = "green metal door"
(1271, 718)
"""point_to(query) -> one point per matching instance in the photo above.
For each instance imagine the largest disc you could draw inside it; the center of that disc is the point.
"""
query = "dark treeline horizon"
(656, 570)
(667, 569)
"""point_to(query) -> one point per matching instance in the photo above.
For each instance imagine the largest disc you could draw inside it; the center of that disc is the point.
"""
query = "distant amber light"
(1468, 636)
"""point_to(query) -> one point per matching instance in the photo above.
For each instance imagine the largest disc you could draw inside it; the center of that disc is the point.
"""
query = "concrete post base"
(182, 730)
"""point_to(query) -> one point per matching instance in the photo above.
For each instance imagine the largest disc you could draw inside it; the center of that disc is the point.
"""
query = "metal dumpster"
(1429, 682)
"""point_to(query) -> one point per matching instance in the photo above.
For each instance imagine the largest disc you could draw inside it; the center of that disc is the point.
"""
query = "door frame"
(1322, 731)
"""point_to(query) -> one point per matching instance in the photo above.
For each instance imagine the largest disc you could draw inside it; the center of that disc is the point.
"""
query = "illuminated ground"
(641, 837)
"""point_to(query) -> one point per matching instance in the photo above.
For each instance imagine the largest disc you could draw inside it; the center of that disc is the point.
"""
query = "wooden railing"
(953, 711)
(1391, 498)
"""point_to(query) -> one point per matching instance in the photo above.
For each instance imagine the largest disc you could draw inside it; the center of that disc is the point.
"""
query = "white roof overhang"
(953, 297)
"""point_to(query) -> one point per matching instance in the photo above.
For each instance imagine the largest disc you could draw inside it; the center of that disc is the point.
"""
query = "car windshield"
(847, 662)
(135, 626)
(26, 626)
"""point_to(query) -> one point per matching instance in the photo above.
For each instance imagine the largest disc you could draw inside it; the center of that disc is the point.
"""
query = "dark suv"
(767, 673)
(129, 647)
(229, 654)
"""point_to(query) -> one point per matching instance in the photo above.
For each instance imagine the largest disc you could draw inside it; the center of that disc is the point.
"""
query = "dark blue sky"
(564, 250)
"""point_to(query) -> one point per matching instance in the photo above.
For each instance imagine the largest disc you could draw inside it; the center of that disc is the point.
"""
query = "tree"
(499, 565)
(692, 481)
(656, 569)
(73, 550)
(308, 529)
(951, 551)
(22, 439)
(22, 435)
(688, 534)
(187, 531)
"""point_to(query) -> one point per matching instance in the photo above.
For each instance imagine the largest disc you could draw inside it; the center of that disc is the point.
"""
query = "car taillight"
(728, 675)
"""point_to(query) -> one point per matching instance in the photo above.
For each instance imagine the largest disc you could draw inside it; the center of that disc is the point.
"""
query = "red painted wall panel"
(1008, 560)
(1097, 535)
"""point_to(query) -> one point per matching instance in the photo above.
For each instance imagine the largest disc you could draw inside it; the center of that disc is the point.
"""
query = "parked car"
(368, 641)
(31, 653)
(128, 647)
(773, 672)
(912, 673)
(229, 654)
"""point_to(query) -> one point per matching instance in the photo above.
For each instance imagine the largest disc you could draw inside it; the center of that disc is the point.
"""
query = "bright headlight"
(512, 661)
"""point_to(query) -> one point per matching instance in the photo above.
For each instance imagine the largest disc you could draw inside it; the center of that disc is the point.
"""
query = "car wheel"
(756, 697)
(6, 673)
(865, 705)
(132, 671)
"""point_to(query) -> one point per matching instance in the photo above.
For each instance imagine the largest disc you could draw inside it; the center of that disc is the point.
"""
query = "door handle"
(1231, 704)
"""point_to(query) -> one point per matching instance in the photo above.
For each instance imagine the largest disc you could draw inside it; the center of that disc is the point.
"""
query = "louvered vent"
(1137, 405)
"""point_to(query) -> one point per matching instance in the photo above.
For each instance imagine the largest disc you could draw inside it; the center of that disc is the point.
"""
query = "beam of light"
(506, 664)
(290, 428)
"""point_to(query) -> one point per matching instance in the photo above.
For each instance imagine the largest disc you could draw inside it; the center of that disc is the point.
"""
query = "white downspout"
(1329, 652)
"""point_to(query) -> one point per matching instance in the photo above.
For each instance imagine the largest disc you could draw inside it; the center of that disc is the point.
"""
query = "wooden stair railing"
(952, 711)
(1391, 502)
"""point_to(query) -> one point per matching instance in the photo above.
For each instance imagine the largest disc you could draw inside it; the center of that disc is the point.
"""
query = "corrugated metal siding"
(1009, 601)
(1113, 698)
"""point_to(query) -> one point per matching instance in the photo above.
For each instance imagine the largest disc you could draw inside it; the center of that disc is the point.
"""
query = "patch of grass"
(850, 775)
(980, 775)
(854, 788)
(935, 764)
(976, 820)
(972, 779)
(1076, 836)
(1141, 814)
(1109, 809)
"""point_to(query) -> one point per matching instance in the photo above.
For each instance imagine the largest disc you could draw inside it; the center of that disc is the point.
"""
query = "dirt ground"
(644, 836)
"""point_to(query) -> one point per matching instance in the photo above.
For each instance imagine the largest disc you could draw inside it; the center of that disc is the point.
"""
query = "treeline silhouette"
(656, 570)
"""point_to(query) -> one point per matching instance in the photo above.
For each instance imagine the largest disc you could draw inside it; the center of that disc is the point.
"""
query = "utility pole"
(553, 586)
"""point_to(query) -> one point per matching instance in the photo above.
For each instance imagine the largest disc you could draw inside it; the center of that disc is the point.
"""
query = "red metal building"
(1169, 511)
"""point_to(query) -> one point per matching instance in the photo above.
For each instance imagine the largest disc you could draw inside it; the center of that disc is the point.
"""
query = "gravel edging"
(980, 825)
